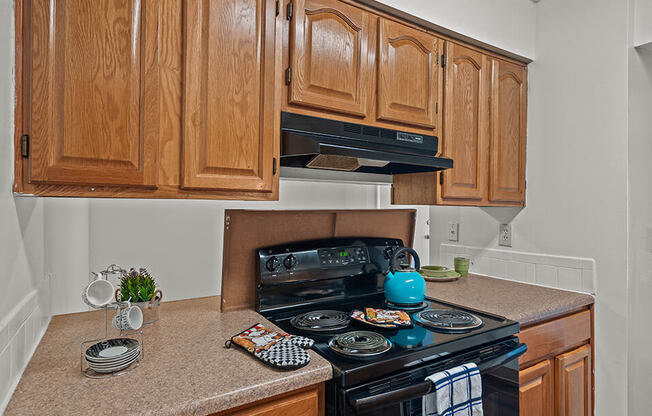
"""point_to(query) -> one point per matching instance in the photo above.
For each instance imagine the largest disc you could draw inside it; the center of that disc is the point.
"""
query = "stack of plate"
(112, 355)
(438, 274)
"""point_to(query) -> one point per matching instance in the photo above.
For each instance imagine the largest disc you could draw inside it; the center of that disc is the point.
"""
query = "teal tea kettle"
(404, 286)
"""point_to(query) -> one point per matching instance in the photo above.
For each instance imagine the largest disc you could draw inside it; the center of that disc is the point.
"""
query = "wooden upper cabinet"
(508, 136)
(466, 123)
(535, 391)
(329, 57)
(409, 75)
(229, 112)
(573, 382)
(91, 92)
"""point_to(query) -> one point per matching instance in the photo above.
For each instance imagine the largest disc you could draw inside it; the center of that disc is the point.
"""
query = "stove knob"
(272, 263)
(290, 261)
(389, 251)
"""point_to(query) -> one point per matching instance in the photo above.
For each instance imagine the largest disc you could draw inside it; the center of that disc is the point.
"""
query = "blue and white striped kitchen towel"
(458, 392)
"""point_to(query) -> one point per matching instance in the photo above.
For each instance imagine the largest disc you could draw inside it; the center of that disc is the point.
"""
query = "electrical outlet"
(505, 235)
(453, 231)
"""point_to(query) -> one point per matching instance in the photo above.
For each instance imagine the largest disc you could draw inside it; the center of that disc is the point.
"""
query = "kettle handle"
(415, 256)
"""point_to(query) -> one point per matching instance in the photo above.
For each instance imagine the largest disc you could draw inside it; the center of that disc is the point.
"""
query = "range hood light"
(372, 162)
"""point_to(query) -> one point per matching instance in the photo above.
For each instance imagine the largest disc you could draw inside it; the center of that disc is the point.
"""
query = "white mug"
(98, 293)
(128, 318)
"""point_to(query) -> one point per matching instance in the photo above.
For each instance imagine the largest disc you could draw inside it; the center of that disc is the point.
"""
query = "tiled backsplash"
(562, 272)
(20, 333)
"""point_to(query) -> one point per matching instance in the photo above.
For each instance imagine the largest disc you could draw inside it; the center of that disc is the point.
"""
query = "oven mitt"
(359, 316)
(386, 316)
(303, 342)
(282, 351)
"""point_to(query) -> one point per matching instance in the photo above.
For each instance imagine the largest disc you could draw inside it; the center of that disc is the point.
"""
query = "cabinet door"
(92, 108)
(466, 123)
(409, 77)
(535, 390)
(573, 382)
(508, 136)
(229, 126)
(329, 60)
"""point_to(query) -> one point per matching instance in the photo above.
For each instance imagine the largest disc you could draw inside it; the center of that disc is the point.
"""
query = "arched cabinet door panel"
(508, 136)
(409, 75)
(466, 123)
(229, 125)
(330, 66)
(92, 106)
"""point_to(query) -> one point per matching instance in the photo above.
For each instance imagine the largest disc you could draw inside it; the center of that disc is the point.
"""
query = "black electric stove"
(311, 288)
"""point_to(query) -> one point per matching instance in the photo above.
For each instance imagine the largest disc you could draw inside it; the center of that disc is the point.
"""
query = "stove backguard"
(322, 270)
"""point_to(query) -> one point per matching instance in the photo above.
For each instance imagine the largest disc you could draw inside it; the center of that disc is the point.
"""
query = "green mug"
(462, 265)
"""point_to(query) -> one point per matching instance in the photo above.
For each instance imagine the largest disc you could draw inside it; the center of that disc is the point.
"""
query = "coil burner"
(447, 320)
(321, 321)
(360, 344)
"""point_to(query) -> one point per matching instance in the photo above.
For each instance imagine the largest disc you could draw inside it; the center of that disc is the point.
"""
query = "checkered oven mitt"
(283, 351)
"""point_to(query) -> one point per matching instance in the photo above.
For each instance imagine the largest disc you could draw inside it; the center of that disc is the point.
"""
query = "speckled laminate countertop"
(521, 302)
(186, 369)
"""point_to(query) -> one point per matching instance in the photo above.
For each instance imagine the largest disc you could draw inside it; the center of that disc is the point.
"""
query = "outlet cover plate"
(453, 231)
(505, 235)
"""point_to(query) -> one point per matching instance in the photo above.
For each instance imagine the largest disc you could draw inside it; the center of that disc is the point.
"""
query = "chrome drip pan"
(360, 344)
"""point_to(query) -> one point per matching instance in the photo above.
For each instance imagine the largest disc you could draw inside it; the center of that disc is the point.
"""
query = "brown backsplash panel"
(245, 231)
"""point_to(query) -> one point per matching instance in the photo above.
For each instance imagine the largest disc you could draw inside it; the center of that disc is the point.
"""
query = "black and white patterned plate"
(104, 351)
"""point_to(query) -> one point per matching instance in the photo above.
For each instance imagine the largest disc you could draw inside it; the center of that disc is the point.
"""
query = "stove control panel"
(343, 256)
(324, 259)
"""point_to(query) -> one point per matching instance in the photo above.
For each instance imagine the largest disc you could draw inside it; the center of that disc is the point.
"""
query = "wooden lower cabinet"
(535, 391)
(573, 382)
(303, 402)
(556, 376)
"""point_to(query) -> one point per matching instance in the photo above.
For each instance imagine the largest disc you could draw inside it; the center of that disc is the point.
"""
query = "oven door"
(401, 394)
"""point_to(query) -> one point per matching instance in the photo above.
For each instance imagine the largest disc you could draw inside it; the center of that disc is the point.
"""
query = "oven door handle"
(367, 403)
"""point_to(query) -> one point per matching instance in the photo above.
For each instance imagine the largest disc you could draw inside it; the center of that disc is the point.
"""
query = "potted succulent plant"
(139, 287)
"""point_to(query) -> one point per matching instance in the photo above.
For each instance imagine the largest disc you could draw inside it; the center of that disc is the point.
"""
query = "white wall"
(639, 377)
(642, 22)
(180, 242)
(576, 169)
(24, 292)
(507, 24)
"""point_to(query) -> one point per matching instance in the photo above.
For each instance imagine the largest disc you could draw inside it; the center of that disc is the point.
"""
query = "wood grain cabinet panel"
(535, 391)
(574, 382)
(508, 136)
(409, 75)
(229, 100)
(91, 106)
(304, 402)
(329, 56)
(466, 123)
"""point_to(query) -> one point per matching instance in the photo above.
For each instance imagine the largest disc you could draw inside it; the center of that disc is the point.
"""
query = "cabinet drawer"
(551, 338)
(304, 402)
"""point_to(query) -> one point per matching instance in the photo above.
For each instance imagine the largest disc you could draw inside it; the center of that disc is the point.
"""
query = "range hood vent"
(318, 143)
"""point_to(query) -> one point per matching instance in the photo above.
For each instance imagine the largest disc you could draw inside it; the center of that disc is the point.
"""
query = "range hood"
(318, 143)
